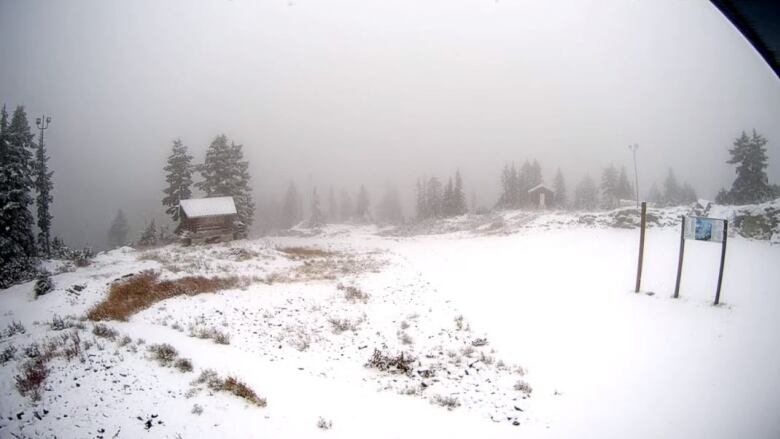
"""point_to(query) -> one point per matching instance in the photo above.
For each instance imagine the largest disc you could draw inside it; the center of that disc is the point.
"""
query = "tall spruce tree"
(752, 184)
(179, 178)
(654, 195)
(421, 200)
(458, 197)
(609, 187)
(448, 200)
(586, 194)
(433, 197)
(43, 188)
(624, 189)
(559, 186)
(117, 233)
(672, 195)
(316, 217)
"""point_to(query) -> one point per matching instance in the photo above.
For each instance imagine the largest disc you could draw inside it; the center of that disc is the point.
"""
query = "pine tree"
(672, 192)
(43, 188)
(389, 209)
(508, 187)
(752, 184)
(624, 189)
(316, 218)
(458, 197)
(179, 178)
(346, 207)
(654, 195)
(421, 201)
(117, 233)
(362, 210)
(291, 210)
(586, 194)
(226, 173)
(448, 200)
(526, 177)
(150, 235)
(559, 186)
(688, 193)
(609, 187)
(17, 242)
(433, 197)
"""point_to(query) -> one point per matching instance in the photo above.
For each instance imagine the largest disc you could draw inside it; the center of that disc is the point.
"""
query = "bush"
(14, 328)
(353, 294)
(450, 402)
(7, 355)
(43, 284)
(33, 374)
(104, 331)
(164, 353)
(183, 364)
(522, 386)
(391, 363)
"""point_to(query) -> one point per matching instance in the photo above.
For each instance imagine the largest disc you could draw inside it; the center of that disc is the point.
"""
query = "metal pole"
(43, 123)
(633, 149)
(722, 259)
(680, 260)
(641, 247)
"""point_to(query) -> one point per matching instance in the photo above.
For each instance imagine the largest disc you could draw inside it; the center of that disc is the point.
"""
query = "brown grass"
(305, 252)
(144, 289)
(232, 385)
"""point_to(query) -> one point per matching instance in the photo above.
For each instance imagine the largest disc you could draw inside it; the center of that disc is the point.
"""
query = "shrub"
(341, 325)
(391, 363)
(324, 424)
(43, 284)
(14, 328)
(215, 334)
(164, 353)
(197, 409)
(238, 388)
(58, 323)
(104, 331)
(406, 338)
(522, 386)
(33, 374)
(8, 354)
(183, 364)
(353, 293)
(450, 402)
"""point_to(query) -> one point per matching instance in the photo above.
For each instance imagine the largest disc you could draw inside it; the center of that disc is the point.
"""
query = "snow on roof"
(540, 186)
(200, 207)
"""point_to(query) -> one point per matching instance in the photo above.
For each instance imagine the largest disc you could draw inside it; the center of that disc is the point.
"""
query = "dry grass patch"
(231, 385)
(144, 289)
(352, 293)
(305, 252)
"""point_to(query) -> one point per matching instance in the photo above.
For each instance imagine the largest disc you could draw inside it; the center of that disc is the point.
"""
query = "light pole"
(633, 149)
(43, 123)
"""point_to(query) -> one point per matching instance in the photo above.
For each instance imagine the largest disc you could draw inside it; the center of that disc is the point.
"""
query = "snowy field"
(533, 334)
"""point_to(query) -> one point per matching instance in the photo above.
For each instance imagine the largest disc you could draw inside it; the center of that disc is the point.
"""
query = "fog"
(348, 92)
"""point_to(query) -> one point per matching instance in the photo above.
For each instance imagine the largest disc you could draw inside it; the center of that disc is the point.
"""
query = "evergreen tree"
(672, 195)
(688, 194)
(150, 235)
(117, 233)
(624, 190)
(17, 242)
(226, 173)
(362, 210)
(433, 197)
(559, 186)
(421, 201)
(752, 184)
(389, 209)
(654, 195)
(586, 194)
(448, 200)
(508, 188)
(292, 212)
(179, 178)
(346, 207)
(458, 197)
(43, 188)
(526, 179)
(609, 187)
(316, 218)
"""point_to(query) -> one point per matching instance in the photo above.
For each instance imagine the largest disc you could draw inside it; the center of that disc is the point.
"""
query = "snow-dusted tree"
(458, 197)
(654, 195)
(316, 218)
(609, 187)
(526, 179)
(624, 190)
(226, 173)
(448, 200)
(752, 184)
(345, 206)
(150, 235)
(672, 195)
(292, 210)
(43, 188)
(363, 207)
(688, 193)
(433, 197)
(421, 200)
(559, 186)
(333, 208)
(586, 194)
(509, 187)
(178, 175)
(389, 208)
(17, 242)
(117, 233)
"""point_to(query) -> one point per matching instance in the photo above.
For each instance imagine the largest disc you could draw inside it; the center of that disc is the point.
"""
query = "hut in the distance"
(541, 196)
(206, 220)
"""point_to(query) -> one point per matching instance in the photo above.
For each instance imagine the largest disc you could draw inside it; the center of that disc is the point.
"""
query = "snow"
(538, 186)
(200, 207)
(552, 299)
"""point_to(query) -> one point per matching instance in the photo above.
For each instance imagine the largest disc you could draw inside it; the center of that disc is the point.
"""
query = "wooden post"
(680, 260)
(641, 247)
(722, 259)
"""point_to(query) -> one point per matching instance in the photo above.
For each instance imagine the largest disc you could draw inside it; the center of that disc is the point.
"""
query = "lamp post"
(633, 149)
(43, 123)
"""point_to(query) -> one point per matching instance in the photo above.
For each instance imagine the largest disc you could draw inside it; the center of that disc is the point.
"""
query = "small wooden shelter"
(206, 220)
(541, 196)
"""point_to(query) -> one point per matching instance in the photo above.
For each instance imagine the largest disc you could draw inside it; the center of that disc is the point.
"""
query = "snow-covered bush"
(43, 284)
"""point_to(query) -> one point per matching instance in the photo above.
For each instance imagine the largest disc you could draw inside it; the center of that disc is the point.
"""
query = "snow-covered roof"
(200, 207)
(538, 186)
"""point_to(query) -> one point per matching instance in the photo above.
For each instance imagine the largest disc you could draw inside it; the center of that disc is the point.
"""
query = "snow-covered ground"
(533, 332)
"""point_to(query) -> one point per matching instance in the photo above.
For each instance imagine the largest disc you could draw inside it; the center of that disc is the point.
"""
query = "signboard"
(704, 229)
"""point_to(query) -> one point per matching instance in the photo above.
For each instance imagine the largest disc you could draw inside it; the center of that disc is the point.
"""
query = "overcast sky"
(344, 92)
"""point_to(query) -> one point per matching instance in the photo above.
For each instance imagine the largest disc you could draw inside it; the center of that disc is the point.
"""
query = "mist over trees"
(117, 233)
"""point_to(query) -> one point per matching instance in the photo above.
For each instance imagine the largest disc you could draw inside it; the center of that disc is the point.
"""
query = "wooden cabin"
(541, 196)
(207, 220)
